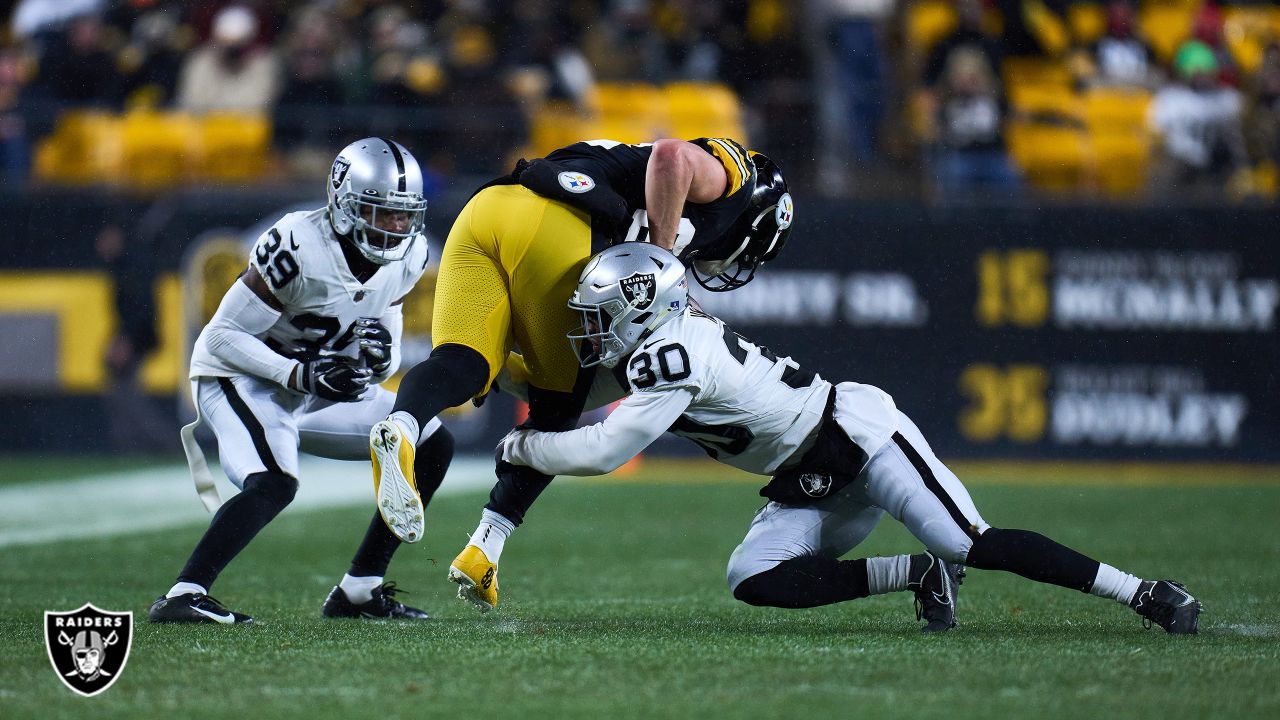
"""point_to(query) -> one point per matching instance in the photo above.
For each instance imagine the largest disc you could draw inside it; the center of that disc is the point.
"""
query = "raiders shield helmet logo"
(88, 647)
(815, 485)
(339, 172)
(638, 289)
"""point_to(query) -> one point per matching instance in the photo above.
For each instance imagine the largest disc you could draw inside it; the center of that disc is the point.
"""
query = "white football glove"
(502, 453)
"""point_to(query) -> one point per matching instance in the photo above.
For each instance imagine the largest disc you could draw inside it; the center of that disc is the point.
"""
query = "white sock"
(1115, 584)
(887, 574)
(359, 590)
(186, 588)
(408, 422)
(491, 534)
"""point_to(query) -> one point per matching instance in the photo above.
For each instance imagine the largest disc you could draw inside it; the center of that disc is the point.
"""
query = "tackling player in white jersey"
(840, 456)
(292, 360)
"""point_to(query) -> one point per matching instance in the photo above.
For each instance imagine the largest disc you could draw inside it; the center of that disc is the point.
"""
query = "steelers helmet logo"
(576, 182)
(785, 212)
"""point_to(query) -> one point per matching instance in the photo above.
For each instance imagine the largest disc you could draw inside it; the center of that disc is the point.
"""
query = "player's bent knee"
(956, 551)
(277, 488)
(755, 590)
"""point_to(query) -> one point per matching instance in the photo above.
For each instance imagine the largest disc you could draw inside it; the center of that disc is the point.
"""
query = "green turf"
(16, 469)
(614, 606)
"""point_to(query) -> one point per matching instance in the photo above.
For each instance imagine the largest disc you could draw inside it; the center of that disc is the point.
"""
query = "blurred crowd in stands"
(950, 99)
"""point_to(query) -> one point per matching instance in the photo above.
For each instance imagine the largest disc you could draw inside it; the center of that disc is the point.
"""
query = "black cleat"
(1168, 604)
(194, 608)
(381, 606)
(935, 582)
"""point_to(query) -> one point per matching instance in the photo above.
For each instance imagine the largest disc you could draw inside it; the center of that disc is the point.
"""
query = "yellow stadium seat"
(634, 112)
(235, 146)
(1019, 71)
(927, 22)
(1053, 157)
(159, 149)
(1120, 162)
(1115, 110)
(1045, 100)
(1247, 30)
(625, 129)
(703, 110)
(1119, 139)
(1166, 26)
(83, 149)
(1088, 21)
(554, 125)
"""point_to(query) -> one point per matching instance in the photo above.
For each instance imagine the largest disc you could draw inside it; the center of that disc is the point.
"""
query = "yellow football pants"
(509, 267)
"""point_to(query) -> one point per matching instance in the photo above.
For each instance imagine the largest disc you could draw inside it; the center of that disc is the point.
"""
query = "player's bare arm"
(258, 285)
(678, 172)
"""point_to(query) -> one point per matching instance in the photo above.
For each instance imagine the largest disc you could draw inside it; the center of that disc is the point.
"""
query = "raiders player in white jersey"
(292, 360)
(840, 457)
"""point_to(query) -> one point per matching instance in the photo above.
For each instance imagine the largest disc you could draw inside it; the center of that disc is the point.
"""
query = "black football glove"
(340, 379)
(375, 345)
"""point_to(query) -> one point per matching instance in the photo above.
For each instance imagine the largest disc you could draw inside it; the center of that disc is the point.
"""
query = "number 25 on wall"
(1006, 402)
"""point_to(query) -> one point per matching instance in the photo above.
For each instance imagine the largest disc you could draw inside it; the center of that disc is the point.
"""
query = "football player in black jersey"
(512, 260)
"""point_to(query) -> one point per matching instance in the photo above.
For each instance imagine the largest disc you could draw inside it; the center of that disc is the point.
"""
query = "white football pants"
(903, 478)
(261, 426)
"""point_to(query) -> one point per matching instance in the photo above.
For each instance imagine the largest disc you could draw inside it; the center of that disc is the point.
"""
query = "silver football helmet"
(624, 293)
(375, 198)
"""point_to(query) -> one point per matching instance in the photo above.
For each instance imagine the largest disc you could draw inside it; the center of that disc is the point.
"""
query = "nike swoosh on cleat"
(227, 619)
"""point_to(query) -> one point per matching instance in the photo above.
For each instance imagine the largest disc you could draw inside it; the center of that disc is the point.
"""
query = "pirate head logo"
(815, 485)
(638, 290)
(339, 172)
(88, 647)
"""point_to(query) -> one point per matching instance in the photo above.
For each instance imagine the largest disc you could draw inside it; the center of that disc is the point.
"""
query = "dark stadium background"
(1084, 307)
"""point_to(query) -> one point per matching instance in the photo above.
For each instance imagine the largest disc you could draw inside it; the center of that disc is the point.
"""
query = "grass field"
(614, 606)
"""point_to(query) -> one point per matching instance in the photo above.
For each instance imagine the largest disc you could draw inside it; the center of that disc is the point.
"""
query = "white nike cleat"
(393, 481)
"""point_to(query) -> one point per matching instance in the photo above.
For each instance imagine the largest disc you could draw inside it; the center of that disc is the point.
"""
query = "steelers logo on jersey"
(576, 182)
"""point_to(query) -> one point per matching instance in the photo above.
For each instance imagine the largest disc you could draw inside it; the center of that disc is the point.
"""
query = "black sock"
(517, 487)
(430, 463)
(375, 551)
(806, 582)
(236, 523)
(450, 377)
(549, 411)
(1033, 556)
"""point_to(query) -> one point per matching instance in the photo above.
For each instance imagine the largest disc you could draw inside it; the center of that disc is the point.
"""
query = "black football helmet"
(757, 237)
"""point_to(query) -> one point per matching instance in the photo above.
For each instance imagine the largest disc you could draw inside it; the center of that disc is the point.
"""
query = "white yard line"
(158, 498)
